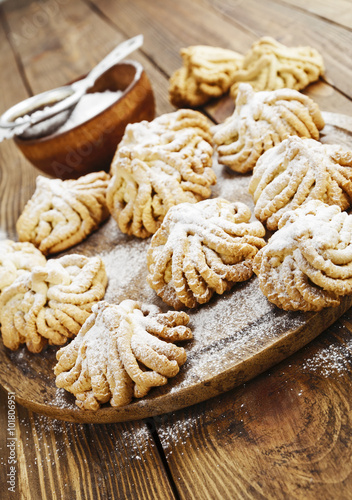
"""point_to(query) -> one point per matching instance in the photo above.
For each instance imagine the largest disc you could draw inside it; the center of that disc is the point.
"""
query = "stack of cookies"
(159, 186)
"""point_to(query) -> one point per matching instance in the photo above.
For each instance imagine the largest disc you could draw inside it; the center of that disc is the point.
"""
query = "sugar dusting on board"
(128, 268)
(63, 399)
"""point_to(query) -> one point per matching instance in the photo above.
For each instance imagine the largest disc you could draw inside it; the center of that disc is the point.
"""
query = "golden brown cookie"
(17, 259)
(270, 65)
(202, 249)
(121, 351)
(157, 165)
(61, 214)
(207, 72)
(51, 303)
(262, 120)
(307, 263)
(299, 170)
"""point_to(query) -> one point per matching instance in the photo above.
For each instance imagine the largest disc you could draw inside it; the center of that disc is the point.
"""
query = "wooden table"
(286, 434)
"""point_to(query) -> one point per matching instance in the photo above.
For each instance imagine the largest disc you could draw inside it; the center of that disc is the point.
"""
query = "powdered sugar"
(228, 332)
(88, 106)
(121, 279)
(62, 400)
(231, 186)
(177, 433)
(329, 361)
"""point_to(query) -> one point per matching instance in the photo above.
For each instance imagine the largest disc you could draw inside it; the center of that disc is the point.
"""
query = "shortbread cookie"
(262, 120)
(121, 351)
(157, 165)
(307, 263)
(17, 259)
(298, 170)
(61, 214)
(207, 72)
(202, 249)
(269, 65)
(51, 303)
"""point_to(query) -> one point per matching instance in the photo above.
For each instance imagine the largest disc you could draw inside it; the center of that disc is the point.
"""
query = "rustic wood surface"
(285, 434)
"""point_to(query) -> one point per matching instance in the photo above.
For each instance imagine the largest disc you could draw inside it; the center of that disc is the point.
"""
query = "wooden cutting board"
(236, 336)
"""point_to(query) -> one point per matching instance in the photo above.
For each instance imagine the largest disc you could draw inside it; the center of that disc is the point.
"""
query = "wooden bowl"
(90, 146)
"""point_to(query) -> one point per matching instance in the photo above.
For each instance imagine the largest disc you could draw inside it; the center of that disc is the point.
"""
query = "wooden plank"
(57, 460)
(58, 48)
(339, 11)
(294, 27)
(63, 48)
(198, 22)
(282, 435)
(17, 176)
(168, 26)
